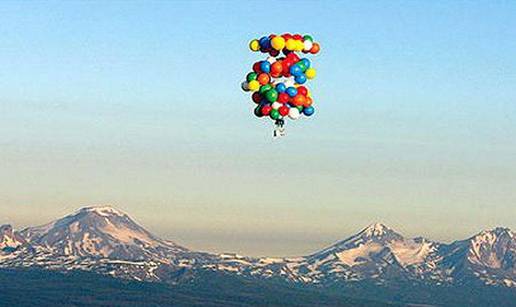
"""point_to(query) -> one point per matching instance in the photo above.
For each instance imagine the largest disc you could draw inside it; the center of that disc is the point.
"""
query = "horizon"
(139, 105)
(373, 225)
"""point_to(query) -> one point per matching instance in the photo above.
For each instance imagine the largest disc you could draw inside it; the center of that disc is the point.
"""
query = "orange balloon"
(276, 67)
(263, 78)
(299, 100)
(315, 48)
(308, 102)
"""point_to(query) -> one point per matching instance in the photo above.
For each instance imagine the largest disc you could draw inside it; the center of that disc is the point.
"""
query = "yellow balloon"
(254, 45)
(299, 45)
(278, 42)
(253, 85)
(291, 44)
(310, 73)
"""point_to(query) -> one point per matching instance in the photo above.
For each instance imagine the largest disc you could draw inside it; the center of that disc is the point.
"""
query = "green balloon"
(271, 95)
(274, 114)
(265, 88)
(308, 37)
(301, 65)
(300, 108)
(251, 76)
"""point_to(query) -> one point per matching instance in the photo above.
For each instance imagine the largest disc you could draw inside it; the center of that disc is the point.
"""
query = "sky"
(138, 104)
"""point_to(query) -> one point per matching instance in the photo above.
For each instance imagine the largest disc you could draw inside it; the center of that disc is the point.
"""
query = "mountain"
(9, 239)
(107, 241)
(104, 240)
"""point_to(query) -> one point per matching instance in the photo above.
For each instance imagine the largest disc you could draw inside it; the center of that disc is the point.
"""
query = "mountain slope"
(107, 241)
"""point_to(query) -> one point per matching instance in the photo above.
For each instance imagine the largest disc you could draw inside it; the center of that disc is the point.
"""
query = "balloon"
(301, 79)
(299, 100)
(265, 88)
(263, 78)
(302, 66)
(307, 46)
(254, 45)
(280, 87)
(258, 111)
(291, 91)
(295, 70)
(283, 97)
(264, 42)
(308, 111)
(253, 85)
(278, 43)
(306, 62)
(284, 110)
(293, 113)
(266, 110)
(271, 95)
(274, 114)
(276, 105)
(251, 76)
(277, 82)
(310, 73)
(290, 44)
(256, 67)
(301, 90)
(277, 67)
(265, 66)
(257, 97)
(315, 48)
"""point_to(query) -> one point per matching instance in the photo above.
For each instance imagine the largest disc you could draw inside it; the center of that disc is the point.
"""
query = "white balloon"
(276, 105)
(271, 59)
(245, 86)
(308, 45)
(294, 113)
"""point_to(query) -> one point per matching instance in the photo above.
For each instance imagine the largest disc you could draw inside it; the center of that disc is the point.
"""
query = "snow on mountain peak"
(376, 229)
(105, 210)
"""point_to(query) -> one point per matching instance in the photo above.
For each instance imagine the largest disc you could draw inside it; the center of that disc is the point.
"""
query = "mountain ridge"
(105, 240)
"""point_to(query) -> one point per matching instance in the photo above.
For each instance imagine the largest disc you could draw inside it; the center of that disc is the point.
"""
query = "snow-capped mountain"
(108, 241)
(490, 256)
(104, 240)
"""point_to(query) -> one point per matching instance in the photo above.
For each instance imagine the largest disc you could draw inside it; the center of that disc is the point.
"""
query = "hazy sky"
(138, 104)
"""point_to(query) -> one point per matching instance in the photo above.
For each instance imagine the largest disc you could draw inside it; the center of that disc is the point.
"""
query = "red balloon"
(297, 36)
(286, 36)
(293, 57)
(283, 111)
(257, 97)
(283, 97)
(256, 68)
(286, 67)
(266, 110)
(302, 90)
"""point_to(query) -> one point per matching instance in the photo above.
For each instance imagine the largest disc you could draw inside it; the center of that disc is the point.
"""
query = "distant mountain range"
(107, 241)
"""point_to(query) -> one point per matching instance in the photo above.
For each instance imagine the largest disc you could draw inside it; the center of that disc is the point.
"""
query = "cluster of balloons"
(278, 82)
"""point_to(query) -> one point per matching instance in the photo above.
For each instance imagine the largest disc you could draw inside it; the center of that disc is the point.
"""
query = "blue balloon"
(265, 66)
(295, 70)
(265, 42)
(291, 91)
(306, 62)
(301, 79)
(308, 111)
(280, 87)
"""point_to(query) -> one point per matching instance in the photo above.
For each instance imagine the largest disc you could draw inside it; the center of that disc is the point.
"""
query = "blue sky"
(138, 104)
